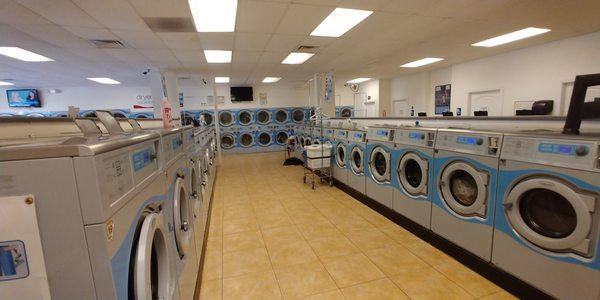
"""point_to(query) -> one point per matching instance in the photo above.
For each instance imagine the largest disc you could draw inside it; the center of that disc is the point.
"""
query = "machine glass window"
(282, 138)
(380, 163)
(208, 118)
(246, 139)
(245, 117)
(281, 116)
(413, 173)
(227, 141)
(262, 116)
(357, 158)
(264, 138)
(548, 213)
(463, 188)
(298, 115)
(346, 112)
(225, 118)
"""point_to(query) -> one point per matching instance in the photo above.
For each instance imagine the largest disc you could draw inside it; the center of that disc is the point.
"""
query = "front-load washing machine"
(228, 139)
(101, 211)
(357, 160)
(412, 173)
(380, 144)
(246, 140)
(340, 146)
(464, 193)
(245, 117)
(192, 144)
(263, 116)
(281, 115)
(548, 213)
(226, 118)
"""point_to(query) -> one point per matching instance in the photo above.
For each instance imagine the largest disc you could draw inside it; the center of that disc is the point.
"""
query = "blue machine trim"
(367, 167)
(349, 147)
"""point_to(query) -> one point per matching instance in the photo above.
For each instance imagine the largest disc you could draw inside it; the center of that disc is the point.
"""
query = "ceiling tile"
(181, 40)
(410, 6)
(55, 35)
(273, 57)
(251, 41)
(216, 41)
(91, 33)
(15, 13)
(190, 55)
(61, 12)
(303, 19)
(284, 42)
(140, 39)
(373, 5)
(259, 16)
(249, 57)
(114, 14)
(162, 8)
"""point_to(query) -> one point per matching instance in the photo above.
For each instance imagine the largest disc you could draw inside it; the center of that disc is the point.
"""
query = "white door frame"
(405, 100)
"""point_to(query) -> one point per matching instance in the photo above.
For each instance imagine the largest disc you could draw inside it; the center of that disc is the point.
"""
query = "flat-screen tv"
(241, 93)
(23, 98)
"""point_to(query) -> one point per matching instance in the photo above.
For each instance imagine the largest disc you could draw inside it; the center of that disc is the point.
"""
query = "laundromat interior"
(299, 149)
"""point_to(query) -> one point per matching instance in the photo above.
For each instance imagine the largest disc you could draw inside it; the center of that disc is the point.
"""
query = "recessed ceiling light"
(104, 80)
(358, 80)
(339, 21)
(296, 58)
(421, 62)
(221, 79)
(6, 83)
(271, 79)
(217, 56)
(214, 16)
(22, 54)
(511, 37)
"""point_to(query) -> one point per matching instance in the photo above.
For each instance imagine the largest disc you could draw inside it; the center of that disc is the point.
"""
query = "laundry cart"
(317, 164)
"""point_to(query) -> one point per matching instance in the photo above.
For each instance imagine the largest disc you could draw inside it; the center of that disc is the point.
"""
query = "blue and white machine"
(281, 133)
(464, 196)
(246, 139)
(263, 116)
(548, 219)
(245, 117)
(340, 146)
(281, 115)
(412, 173)
(357, 160)
(228, 139)
(227, 118)
(380, 144)
(299, 115)
(264, 138)
(344, 111)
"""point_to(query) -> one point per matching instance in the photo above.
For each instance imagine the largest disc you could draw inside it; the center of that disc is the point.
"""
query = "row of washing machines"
(122, 205)
(528, 202)
(118, 113)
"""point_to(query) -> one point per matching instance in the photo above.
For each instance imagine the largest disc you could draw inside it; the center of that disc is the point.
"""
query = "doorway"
(400, 108)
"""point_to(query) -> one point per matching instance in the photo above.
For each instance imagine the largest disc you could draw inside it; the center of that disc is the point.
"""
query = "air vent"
(170, 24)
(108, 44)
(307, 49)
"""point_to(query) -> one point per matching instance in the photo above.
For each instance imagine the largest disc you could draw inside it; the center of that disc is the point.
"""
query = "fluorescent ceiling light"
(511, 37)
(358, 80)
(271, 79)
(296, 58)
(221, 79)
(339, 21)
(6, 83)
(421, 62)
(214, 15)
(104, 80)
(217, 56)
(22, 54)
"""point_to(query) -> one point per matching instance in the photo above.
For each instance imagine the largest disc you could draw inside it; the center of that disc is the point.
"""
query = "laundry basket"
(318, 156)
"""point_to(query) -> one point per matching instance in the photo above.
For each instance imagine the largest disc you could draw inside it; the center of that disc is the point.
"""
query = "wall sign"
(442, 98)
(262, 98)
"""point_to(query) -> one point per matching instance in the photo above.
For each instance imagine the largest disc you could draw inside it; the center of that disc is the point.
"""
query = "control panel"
(577, 154)
(415, 137)
(380, 134)
(487, 144)
(341, 134)
(357, 136)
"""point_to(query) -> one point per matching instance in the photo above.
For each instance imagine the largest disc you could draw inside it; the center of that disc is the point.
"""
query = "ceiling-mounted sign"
(442, 98)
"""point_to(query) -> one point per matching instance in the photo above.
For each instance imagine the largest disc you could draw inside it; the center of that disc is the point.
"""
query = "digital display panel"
(382, 132)
(415, 135)
(142, 158)
(557, 148)
(467, 140)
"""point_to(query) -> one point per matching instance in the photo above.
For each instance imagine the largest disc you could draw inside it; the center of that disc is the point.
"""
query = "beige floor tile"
(352, 269)
(333, 246)
(238, 212)
(428, 284)
(503, 295)
(469, 280)
(399, 234)
(266, 221)
(264, 209)
(242, 240)
(211, 290)
(428, 253)
(374, 290)
(292, 253)
(247, 261)
(213, 267)
(304, 280)
(312, 231)
(395, 259)
(240, 225)
(281, 235)
(350, 223)
(369, 239)
(331, 295)
(255, 286)
(312, 217)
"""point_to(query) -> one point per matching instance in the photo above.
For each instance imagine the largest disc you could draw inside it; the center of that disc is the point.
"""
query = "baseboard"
(507, 281)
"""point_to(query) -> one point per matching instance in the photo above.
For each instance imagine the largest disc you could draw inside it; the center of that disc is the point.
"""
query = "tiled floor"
(273, 237)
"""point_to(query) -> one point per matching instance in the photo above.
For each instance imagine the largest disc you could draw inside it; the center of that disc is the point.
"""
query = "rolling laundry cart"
(317, 164)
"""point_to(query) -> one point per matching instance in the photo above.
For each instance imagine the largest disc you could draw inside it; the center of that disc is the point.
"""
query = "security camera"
(146, 72)
(204, 80)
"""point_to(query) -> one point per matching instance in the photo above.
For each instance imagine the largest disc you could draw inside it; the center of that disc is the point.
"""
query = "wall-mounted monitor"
(241, 93)
(23, 98)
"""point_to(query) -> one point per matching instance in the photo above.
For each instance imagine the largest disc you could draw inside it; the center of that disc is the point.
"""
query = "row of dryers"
(122, 205)
(526, 202)
(245, 139)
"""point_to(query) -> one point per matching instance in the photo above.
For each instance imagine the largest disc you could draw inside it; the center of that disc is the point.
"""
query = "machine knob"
(185, 226)
(581, 150)
(479, 141)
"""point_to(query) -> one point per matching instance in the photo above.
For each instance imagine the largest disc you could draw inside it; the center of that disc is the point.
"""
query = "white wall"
(535, 73)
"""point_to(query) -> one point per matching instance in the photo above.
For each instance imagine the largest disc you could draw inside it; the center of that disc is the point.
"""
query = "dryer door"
(181, 215)
(340, 155)
(208, 118)
(356, 160)
(379, 164)
(282, 138)
(298, 115)
(225, 118)
(245, 117)
(412, 173)
(281, 116)
(152, 270)
(465, 189)
(246, 140)
(263, 116)
(552, 215)
(227, 141)
(264, 139)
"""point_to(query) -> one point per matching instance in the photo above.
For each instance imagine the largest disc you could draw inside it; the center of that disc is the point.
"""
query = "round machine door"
(281, 116)
(246, 139)
(227, 141)
(307, 141)
(356, 160)
(264, 139)
(551, 214)
(225, 118)
(298, 115)
(208, 118)
(195, 195)
(245, 117)
(282, 137)
(346, 112)
(379, 164)
(340, 155)
(181, 215)
(151, 268)
(465, 189)
(412, 173)
(263, 117)
(316, 141)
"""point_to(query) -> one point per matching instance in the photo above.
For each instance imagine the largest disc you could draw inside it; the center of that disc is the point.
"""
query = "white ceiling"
(399, 31)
